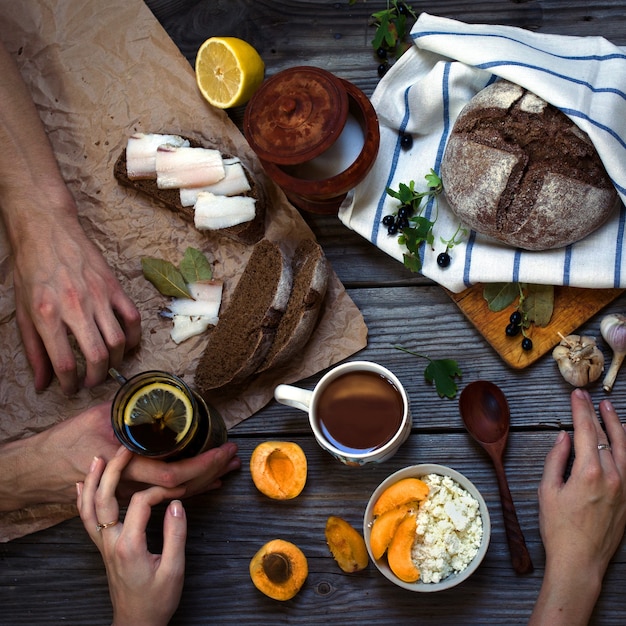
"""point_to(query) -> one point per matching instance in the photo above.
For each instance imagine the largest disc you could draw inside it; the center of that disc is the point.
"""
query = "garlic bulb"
(579, 359)
(613, 329)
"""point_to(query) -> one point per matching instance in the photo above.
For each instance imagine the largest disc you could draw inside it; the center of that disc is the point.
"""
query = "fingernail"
(79, 488)
(176, 508)
(120, 450)
(582, 393)
(94, 462)
(609, 405)
(561, 437)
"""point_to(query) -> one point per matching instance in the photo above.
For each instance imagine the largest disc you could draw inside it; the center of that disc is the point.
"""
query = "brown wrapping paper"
(97, 72)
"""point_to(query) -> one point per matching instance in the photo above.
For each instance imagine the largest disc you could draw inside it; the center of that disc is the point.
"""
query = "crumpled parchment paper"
(97, 72)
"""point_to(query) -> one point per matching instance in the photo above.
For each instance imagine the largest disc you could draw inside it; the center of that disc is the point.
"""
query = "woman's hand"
(145, 588)
(582, 519)
(47, 465)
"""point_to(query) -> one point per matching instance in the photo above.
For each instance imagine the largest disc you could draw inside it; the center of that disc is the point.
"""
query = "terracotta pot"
(316, 135)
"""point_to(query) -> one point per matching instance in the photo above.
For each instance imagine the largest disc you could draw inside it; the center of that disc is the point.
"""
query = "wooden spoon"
(485, 412)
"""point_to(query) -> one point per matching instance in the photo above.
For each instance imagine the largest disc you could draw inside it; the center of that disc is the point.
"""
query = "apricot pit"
(279, 469)
(346, 545)
(279, 569)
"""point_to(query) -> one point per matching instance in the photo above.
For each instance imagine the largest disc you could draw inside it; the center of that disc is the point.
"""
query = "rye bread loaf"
(247, 233)
(310, 280)
(245, 331)
(519, 170)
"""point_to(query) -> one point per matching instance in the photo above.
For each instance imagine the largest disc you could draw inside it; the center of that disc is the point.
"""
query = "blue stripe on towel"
(590, 57)
(619, 247)
(607, 129)
(468, 258)
(567, 264)
(392, 171)
(488, 65)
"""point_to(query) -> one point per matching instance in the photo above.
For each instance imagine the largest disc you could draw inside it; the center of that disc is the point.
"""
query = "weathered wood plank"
(44, 578)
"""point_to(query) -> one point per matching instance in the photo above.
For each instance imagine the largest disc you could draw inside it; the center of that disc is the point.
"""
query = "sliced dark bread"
(310, 279)
(245, 331)
(247, 233)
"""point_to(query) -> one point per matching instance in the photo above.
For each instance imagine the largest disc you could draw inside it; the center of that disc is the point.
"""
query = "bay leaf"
(539, 304)
(500, 295)
(195, 266)
(165, 276)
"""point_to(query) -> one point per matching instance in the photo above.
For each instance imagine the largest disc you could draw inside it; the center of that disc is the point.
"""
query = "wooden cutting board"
(572, 308)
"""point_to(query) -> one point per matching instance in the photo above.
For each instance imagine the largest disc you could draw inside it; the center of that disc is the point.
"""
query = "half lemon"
(160, 404)
(228, 71)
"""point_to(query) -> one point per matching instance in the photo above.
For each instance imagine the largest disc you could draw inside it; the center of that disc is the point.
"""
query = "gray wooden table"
(56, 576)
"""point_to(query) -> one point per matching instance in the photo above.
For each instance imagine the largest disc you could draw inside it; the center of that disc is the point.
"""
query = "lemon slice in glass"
(228, 71)
(160, 404)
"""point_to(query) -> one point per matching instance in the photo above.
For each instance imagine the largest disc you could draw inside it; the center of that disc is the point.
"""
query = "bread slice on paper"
(310, 279)
(245, 331)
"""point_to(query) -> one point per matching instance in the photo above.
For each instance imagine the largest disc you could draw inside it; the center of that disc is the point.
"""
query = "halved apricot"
(399, 552)
(385, 526)
(279, 469)
(346, 545)
(279, 569)
(401, 492)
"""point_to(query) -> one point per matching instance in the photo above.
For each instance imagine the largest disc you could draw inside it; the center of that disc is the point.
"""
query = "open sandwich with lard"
(214, 191)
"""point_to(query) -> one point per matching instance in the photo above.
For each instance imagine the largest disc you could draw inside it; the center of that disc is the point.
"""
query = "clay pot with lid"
(316, 135)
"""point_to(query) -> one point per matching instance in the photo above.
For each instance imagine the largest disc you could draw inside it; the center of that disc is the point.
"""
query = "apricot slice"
(399, 551)
(279, 469)
(279, 569)
(401, 492)
(385, 526)
(346, 545)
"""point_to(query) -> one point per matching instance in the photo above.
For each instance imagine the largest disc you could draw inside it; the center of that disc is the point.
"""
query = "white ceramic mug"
(396, 428)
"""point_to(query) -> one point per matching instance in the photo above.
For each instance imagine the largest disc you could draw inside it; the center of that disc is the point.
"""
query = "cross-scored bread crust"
(519, 170)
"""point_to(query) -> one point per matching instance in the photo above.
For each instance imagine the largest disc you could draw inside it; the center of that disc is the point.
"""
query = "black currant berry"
(382, 69)
(512, 330)
(527, 344)
(516, 318)
(381, 53)
(443, 260)
(406, 142)
(388, 220)
(403, 9)
(402, 222)
(393, 229)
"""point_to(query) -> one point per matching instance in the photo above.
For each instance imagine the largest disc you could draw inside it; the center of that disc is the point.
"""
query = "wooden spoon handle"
(520, 557)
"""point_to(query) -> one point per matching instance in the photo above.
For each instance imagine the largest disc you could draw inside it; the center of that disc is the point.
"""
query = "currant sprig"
(414, 228)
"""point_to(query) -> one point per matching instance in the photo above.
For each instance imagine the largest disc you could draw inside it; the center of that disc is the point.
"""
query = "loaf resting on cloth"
(423, 94)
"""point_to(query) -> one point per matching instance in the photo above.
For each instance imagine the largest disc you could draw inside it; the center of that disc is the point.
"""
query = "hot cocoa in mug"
(359, 411)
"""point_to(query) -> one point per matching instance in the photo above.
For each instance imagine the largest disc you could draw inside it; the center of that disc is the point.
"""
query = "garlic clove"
(613, 330)
(579, 359)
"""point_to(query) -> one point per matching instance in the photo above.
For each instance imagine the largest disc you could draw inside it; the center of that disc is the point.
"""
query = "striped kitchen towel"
(423, 93)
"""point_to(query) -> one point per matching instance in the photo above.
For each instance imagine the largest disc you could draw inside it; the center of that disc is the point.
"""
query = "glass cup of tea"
(358, 411)
(156, 414)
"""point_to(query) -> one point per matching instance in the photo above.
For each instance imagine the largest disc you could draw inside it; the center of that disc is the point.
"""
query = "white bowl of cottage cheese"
(451, 536)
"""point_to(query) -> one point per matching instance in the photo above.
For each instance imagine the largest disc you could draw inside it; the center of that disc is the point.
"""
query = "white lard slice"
(193, 317)
(213, 212)
(188, 167)
(185, 327)
(141, 150)
(234, 183)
